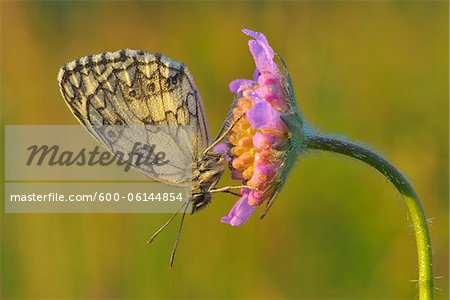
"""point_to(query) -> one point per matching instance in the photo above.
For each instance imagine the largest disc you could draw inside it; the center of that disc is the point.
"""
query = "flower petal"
(222, 149)
(262, 52)
(240, 84)
(262, 175)
(267, 140)
(255, 198)
(256, 74)
(262, 116)
(265, 157)
(240, 212)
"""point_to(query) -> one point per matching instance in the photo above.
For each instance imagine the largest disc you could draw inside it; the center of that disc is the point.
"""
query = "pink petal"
(263, 62)
(255, 198)
(262, 52)
(240, 212)
(262, 175)
(222, 149)
(271, 90)
(262, 116)
(256, 74)
(267, 140)
(240, 84)
(264, 157)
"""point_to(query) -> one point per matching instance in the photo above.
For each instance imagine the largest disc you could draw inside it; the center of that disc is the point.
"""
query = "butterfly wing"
(128, 97)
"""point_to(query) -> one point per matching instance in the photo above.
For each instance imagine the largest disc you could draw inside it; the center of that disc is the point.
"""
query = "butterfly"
(109, 93)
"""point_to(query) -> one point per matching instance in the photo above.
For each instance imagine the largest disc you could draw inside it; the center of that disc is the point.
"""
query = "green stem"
(416, 212)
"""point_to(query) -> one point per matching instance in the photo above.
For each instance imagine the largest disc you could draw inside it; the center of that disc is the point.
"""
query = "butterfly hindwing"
(138, 92)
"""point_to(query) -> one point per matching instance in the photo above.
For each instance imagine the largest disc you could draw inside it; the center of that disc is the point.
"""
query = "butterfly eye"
(173, 80)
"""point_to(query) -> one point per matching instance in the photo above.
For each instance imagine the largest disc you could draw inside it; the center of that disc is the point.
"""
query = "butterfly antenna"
(167, 223)
(172, 256)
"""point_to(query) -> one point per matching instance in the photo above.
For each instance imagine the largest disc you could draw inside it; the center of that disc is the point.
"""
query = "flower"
(260, 139)
(240, 211)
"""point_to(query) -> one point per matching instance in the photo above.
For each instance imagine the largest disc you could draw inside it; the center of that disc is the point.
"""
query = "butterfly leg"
(220, 138)
(226, 189)
(232, 193)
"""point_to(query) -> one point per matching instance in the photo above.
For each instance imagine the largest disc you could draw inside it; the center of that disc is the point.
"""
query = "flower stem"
(413, 203)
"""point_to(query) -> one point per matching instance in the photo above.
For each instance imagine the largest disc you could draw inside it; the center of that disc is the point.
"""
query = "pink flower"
(240, 212)
(267, 140)
(262, 175)
(263, 116)
(222, 149)
(257, 138)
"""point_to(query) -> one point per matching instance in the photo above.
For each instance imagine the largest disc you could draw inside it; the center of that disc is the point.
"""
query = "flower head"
(260, 138)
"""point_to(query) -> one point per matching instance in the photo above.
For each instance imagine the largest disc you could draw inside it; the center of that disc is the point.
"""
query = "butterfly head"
(200, 200)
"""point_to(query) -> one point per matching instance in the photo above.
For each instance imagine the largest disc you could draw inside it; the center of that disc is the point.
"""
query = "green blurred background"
(374, 71)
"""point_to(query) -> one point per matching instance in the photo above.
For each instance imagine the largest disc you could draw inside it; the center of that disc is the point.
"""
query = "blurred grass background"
(375, 71)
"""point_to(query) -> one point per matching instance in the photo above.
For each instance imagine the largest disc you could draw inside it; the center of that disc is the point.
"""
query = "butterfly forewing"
(128, 97)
